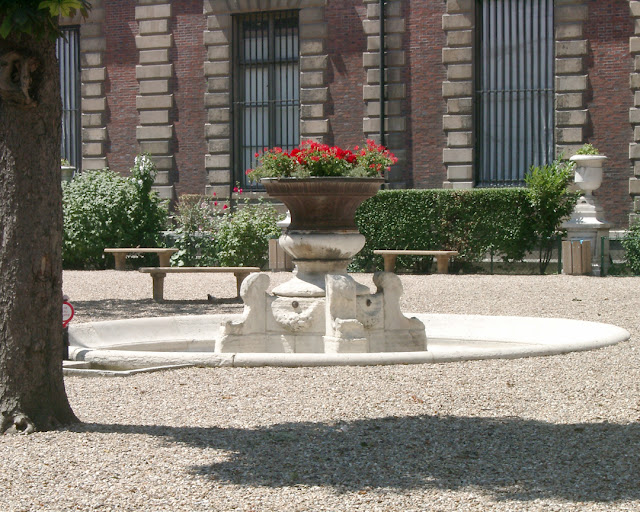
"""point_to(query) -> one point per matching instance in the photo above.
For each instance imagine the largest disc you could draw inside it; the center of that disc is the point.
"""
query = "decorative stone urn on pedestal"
(322, 308)
(586, 222)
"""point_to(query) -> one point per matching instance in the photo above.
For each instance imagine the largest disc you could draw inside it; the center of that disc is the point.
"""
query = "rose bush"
(316, 159)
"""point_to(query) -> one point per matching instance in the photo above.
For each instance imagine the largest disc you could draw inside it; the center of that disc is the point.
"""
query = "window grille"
(68, 53)
(515, 89)
(266, 98)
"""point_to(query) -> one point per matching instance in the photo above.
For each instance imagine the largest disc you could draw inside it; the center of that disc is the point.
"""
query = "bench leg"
(239, 278)
(120, 258)
(443, 264)
(165, 260)
(389, 262)
(158, 287)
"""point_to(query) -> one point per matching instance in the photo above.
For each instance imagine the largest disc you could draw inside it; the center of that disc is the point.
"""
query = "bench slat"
(120, 254)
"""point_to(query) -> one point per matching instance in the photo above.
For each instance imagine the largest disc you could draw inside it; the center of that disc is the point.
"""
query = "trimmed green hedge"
(472, 222)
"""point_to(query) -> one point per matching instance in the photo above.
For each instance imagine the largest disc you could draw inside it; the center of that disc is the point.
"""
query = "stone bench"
(120, 254)
(159, 273)
(390, 255)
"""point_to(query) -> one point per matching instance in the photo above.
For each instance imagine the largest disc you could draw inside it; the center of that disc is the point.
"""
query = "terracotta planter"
(322, 204)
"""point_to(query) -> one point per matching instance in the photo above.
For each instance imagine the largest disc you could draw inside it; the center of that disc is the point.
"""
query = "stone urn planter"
(322, 237)
(588, 174)
(67, 172)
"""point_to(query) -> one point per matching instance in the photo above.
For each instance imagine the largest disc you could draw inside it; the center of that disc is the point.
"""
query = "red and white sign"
(67, 313)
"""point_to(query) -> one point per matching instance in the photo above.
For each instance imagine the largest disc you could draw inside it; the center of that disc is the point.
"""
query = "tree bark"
(32, 393)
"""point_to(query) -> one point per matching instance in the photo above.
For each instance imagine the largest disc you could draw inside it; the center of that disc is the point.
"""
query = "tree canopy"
(37, 17)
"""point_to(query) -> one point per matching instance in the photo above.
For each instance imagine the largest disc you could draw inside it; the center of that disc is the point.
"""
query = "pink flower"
(225, 207)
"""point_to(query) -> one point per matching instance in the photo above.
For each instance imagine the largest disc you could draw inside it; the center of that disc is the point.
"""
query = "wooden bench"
(389, 256)
(159, 273)
(120, 254)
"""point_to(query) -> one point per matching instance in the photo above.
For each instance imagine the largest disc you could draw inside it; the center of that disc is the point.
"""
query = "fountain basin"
(179, 340)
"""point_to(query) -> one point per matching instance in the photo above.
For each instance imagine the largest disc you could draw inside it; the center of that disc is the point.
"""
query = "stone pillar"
(571, 81)
(155, 101)
(634, 113)
(395, 122)
(457, 90)
(93, 100)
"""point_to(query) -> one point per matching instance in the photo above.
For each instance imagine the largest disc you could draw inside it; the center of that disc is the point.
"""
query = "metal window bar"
(68, 54)
(514, 89)
(266, 95)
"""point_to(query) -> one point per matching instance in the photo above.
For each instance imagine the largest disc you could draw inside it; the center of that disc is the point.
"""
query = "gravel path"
(539, 434)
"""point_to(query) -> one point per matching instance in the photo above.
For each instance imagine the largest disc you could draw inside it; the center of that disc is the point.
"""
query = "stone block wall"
(154, 102)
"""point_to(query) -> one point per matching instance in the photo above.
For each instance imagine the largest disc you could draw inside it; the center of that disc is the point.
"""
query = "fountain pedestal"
(322, 308)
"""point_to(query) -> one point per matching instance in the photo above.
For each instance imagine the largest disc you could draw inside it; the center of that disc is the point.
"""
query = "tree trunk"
(32, 394)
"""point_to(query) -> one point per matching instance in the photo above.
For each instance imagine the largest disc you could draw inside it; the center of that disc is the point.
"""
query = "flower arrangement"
(315, 159)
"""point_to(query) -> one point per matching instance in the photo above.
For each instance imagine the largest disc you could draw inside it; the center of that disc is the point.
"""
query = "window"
(68, 53)
(266, 99)
(514, 93)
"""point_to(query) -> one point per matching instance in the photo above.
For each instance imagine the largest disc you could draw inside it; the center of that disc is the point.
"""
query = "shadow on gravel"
(511, 458)
(116, 309)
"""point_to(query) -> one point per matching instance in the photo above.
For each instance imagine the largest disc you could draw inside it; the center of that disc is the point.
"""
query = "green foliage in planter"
(210, 234)
(103, 209)
(472, 222)
(631, 245)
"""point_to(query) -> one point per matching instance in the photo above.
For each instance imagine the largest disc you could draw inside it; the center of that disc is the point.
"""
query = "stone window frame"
(93, 100)
(571, 84)
(314, 92)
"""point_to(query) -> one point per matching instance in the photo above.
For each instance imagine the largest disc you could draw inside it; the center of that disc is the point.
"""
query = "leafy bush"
(631, 244)
(551, 203)
(243, 236)
(196, 221)
(587, 149)
(210, 234)
(472, 222)
(103, 209)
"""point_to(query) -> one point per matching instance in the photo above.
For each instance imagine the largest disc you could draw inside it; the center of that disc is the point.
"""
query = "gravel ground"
(550, 433)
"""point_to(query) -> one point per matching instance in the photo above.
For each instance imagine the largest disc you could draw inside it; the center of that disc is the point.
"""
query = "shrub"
(243, 235)
(210, 234)
(631, 244)
(551, 203)
(102, 209)
(195, 226)
(472, 222)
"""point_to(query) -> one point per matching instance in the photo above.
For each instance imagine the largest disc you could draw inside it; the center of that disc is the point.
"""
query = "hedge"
(472, 222)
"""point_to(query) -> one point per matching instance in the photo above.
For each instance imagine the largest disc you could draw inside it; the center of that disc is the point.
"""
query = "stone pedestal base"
(341, 321)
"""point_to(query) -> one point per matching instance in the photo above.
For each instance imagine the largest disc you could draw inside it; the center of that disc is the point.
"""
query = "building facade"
(466, 93)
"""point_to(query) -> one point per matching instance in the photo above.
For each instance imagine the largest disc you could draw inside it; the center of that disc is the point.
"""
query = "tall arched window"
(68, 53)
(266, 95)
(514, 89)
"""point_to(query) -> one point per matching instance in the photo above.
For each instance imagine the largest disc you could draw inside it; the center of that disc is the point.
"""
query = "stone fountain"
(322, 309)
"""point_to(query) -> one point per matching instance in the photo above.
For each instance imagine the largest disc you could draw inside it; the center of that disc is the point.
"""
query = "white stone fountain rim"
(188, 340)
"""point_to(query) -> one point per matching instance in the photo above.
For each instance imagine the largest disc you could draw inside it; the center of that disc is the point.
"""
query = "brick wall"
(609, 99)
(426, 106)
(189, 114)
(121, 86)
(346, 42)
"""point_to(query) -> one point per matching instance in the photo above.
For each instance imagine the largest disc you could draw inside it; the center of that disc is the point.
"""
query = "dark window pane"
(514, 89)
(68, 53)
(266, 100)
